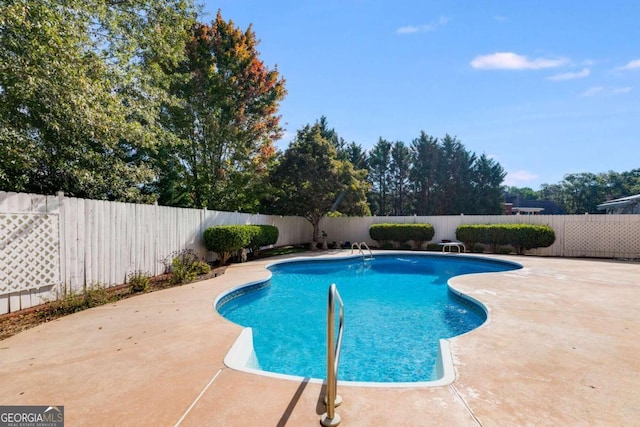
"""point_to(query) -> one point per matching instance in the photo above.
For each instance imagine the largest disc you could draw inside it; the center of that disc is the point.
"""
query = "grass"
(282, 251)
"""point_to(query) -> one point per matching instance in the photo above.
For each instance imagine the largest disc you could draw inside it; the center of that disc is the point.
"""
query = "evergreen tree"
(379, 176)
(399, 174)
(424, 172)
(310, 181)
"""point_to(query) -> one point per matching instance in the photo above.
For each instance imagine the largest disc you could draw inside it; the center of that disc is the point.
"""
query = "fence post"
(62, 289)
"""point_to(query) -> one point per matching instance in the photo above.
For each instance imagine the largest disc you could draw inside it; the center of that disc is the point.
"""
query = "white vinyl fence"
(55, 244)
(598, 236)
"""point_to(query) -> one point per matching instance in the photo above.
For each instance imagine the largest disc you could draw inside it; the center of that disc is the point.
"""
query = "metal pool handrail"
(359, 247)
(332, 399)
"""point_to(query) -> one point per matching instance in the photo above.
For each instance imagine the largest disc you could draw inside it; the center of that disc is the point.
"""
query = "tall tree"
(424, 172)
(228, 120)
(81, 83)
(357, 156)
(578, 193)
(399, 174)
(526, 193)
(310, 180)
(455, 170)
(487, 196)
(379, 160)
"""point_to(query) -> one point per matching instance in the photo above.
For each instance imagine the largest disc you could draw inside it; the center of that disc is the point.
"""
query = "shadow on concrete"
(292, 404)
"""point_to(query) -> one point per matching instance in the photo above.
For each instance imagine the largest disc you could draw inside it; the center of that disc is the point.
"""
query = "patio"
(560, 348)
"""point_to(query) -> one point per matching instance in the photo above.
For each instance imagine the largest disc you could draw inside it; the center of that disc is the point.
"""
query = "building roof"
(620, 203)
(548, 207)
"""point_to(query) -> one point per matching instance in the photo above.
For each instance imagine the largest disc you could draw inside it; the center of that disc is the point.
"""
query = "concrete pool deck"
(561, 347)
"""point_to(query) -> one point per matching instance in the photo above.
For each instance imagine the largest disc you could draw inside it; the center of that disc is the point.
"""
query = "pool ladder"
(359, 246)
(332, 399)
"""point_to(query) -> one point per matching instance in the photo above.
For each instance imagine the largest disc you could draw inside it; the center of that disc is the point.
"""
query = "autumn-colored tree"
(228, 118)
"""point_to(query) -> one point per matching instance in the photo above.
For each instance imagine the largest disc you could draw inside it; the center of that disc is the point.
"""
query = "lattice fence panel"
(610, 237)
(29, 251)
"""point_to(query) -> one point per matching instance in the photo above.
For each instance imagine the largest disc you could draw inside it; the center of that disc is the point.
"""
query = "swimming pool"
(398, 308)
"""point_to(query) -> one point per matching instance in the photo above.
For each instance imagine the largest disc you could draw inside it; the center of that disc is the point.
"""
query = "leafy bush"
(504, 250)
(185, 266)
(225, 240)
(262, 235)
(532, 236)
(520, 236)
(401, 233)
(138, 281)
(478, 248)
(201, 267)
(72, 302)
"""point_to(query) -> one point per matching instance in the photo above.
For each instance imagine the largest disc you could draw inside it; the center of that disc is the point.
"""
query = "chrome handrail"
(332, 399)
(367, 247)
(360, 250)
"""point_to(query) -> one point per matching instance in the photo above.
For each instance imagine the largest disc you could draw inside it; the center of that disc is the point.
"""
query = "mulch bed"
(14, 323)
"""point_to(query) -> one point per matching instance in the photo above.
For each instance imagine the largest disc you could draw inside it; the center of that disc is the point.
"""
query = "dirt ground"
(14, 323)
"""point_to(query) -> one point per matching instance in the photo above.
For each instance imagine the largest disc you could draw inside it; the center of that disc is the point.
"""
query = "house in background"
(624, 205)
(515, 205)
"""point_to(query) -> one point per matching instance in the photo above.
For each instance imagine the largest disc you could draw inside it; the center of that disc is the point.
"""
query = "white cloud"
(601, 90)
(410, 29)
(517, 178)
(571, 76)
(621, 90)
(593, 91)
(513, 61)
(632, 65)
(500, 18)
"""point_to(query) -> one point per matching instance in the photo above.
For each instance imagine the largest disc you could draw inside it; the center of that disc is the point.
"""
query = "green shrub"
(433, 247)
(138, 281)
(505, 250)
(520, 236)
(478, 248)
(532, 236)
(225, 240)
(184, 266)
(401, 233)
(201, 267)
(72, 302)
(261, 235)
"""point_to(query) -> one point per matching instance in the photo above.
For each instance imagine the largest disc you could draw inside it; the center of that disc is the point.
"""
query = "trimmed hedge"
(385, 234)
(520, 236)
(225, 240)
(263, 235)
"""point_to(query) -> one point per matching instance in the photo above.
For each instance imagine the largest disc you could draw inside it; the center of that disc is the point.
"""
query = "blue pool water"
(397, 308)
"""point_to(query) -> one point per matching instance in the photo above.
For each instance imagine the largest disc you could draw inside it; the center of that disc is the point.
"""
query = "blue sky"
(544, 87)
